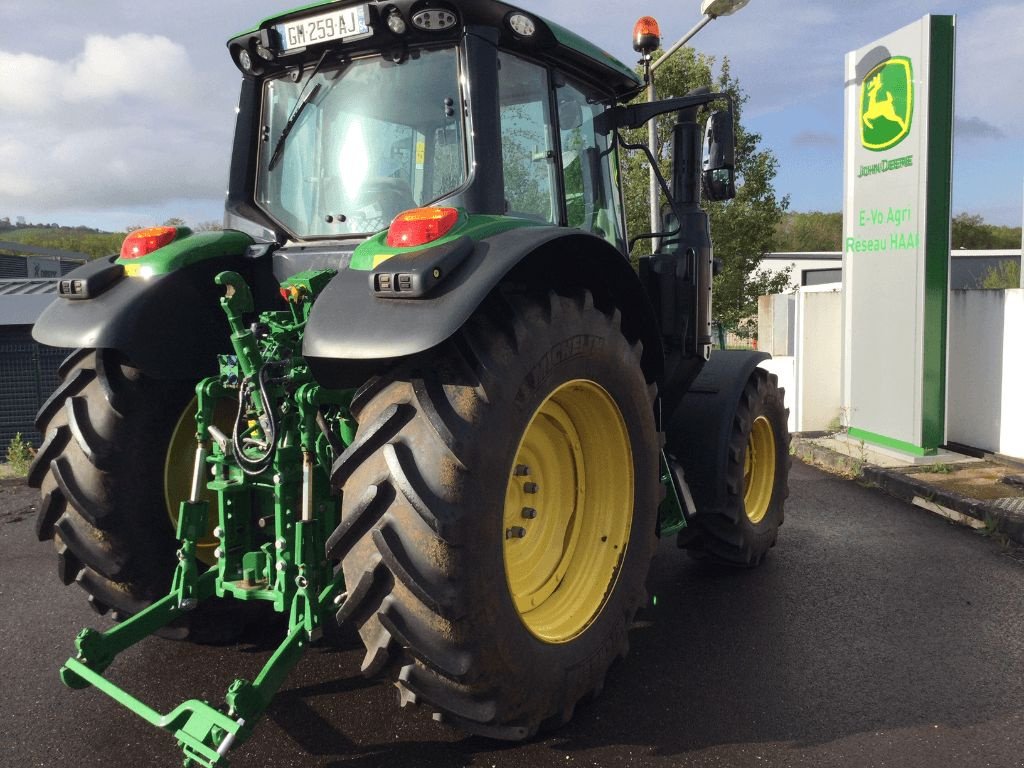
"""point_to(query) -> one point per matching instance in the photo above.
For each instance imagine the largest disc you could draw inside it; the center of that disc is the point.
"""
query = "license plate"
(344, 24)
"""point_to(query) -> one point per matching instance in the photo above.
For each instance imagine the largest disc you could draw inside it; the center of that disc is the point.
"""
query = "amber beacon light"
(646, 35)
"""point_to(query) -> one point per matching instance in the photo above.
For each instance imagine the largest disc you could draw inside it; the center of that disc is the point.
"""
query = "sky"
(119, 113)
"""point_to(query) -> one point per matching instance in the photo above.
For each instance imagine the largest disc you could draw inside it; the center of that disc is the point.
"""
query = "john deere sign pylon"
(896, 218)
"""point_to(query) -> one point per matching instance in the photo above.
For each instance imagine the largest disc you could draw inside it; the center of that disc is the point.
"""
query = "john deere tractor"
(419, 388)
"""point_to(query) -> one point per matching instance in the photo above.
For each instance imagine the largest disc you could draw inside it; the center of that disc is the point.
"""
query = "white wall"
(985, 364)
(819, 352)
(803, 332)
(985, 371)
(776, 324)
(775, 263)
(784, 368)
(965, 265)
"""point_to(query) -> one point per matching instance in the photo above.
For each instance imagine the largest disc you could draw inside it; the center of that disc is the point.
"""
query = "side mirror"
(719, 157)
(570, 115)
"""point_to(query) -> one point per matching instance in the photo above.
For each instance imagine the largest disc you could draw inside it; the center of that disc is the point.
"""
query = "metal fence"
(726, 337)
(28, 375)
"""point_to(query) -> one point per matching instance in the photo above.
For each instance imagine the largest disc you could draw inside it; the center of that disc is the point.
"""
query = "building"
(966, 267)
(28, 371)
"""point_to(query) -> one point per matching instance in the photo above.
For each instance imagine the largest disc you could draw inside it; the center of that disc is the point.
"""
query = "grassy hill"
(91, 242)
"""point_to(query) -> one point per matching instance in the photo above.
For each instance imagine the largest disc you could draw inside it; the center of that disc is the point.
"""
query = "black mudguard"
(350, 323)
(170, 326)
(699, 430)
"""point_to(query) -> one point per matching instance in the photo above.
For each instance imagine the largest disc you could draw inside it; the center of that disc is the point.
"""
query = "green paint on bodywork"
(671, 519)
(889, 442)
(279, 558)
(187, 249)
(477, 226)
(581, 45)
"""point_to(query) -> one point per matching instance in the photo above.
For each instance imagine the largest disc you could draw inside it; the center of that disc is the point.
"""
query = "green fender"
(165, 318)
(699, 430)
(353, 329)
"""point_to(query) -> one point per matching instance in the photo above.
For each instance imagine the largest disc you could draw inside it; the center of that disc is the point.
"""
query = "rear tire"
(756, 477)
(100, 474)
(431, 499)
(100, 471)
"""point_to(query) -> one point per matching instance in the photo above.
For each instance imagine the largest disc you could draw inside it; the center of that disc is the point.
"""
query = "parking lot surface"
(874, 635)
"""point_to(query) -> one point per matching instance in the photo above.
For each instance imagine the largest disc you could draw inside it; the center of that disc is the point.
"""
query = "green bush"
(1004, 275)
(19, 454)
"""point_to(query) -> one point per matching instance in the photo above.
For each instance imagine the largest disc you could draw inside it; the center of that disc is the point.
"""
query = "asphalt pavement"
(876, 634)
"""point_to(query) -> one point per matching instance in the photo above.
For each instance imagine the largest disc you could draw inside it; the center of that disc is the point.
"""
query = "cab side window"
(527, 150)
(589, 165)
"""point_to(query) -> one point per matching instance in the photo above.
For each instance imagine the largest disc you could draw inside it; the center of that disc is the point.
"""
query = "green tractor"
(419, 388)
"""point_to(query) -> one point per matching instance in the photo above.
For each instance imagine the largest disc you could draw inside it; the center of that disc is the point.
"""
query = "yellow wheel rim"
(178, 466)
(568, 511)
(759, 470)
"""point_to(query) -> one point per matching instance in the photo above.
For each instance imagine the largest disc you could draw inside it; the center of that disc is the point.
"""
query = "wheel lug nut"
(530, 488)
(521, 470)
(529, 513)
(515, 532)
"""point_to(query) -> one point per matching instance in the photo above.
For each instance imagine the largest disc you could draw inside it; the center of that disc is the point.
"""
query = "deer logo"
(880, 108)
(886, 104)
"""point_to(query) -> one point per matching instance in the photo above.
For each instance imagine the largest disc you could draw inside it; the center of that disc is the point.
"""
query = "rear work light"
(144, 241)
(420, 225)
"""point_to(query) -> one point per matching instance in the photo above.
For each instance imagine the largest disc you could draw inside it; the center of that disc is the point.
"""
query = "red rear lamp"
(646, 35)
(144, 241)
(420, 225)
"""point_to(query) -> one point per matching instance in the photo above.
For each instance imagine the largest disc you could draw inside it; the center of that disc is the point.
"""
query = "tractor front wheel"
(499, 513)
(757, 473)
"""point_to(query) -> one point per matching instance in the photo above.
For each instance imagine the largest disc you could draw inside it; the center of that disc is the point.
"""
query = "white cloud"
(150, 66)
(27, 83)
(124, 121)
(147, 67)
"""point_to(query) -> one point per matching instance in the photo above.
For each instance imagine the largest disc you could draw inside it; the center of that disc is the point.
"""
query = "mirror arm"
(639, 114)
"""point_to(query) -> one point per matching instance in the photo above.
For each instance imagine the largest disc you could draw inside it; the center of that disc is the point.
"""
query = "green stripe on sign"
(936, 277)
(889, 442)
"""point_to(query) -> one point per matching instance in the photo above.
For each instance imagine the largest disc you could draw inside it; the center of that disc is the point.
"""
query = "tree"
(971, 231)
(814, 231)
(208, 226)
(743, 229)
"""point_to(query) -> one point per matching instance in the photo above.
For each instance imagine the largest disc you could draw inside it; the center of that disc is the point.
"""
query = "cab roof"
(550, 41)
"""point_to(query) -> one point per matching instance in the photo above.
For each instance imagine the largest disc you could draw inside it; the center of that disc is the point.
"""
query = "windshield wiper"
(296, 114)
(293, 118)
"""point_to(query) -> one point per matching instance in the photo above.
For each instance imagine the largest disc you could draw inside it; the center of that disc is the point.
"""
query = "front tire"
(499, 514)
(741, 533)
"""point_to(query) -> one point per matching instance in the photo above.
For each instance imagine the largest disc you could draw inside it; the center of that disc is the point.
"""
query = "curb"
(974, 513)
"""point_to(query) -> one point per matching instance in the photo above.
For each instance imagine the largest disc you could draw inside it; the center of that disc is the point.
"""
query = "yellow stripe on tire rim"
(568, 511)
(759, 470)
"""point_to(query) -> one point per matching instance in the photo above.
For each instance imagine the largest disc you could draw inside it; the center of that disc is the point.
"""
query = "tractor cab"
(352, 114)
